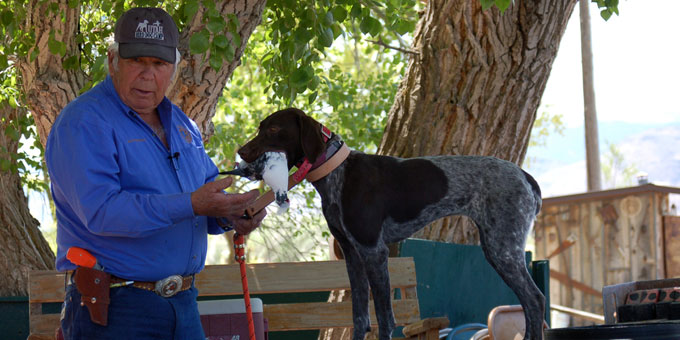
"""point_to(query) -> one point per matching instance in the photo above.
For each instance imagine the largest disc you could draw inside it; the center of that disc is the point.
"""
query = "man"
(133, 186)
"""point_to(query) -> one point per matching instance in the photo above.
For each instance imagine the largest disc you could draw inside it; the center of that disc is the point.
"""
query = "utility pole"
(592, 141)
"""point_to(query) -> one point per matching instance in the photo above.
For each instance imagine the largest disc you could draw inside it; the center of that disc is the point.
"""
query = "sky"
(637, 74)
(636, 58)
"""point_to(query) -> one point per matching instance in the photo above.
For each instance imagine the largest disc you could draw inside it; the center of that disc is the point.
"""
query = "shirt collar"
(164, 108)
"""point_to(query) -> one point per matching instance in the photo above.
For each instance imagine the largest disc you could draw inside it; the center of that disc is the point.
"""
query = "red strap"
(240, 251)
(326, 132)
(304, 168)
(302, 171)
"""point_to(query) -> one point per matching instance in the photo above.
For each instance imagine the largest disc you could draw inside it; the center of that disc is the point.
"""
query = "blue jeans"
(135, 314)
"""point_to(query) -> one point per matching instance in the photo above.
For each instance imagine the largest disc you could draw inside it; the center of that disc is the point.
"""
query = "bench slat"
(296, 316)
(289, 277)
(46, 286)
(44, 325)
(293, 277)
(316, 315)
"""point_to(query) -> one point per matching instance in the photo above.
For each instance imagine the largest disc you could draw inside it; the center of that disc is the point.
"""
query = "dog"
(370, 201)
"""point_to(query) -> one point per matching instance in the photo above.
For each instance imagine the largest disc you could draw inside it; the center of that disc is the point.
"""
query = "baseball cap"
(147, 32)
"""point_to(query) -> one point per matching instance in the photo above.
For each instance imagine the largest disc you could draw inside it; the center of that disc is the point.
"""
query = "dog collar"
(319, 172)
(329, 165)
(305, 166)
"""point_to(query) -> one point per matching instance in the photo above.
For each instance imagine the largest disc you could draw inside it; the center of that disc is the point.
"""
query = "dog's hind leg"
(378, 277)
(509, 261)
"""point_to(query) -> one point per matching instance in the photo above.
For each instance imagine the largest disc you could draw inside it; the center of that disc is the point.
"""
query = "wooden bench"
(269, 278)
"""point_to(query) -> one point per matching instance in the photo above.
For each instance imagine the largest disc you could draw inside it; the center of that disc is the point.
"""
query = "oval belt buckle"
(168, 286)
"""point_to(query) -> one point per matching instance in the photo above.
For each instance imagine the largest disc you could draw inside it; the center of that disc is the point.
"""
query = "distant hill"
(559, 167)
(656, 152)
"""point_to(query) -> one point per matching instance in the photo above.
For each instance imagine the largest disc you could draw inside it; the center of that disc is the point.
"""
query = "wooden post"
(592, 142)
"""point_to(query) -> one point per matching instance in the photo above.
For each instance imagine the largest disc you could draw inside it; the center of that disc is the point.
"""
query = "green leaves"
(301, 76)
(56, 47)
(300, 35)
(199, 43)
(501, 4)
(607, 8)
(220, 36)
(6, 17)
(370, 26)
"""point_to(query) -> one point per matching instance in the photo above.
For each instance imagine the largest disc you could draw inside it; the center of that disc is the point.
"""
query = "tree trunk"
(474, 87)
(49, 87)
(197, 86)
(22, 246)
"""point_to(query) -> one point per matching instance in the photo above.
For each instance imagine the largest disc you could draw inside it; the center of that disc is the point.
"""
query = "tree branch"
(402, 50)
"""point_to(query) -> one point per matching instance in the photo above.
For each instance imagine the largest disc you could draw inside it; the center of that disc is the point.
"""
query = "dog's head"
(289, 130)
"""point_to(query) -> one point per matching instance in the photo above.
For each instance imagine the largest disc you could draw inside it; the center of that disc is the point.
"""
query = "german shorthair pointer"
(371, 200)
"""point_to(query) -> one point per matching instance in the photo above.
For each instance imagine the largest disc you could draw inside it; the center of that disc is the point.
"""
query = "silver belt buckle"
(168, 286)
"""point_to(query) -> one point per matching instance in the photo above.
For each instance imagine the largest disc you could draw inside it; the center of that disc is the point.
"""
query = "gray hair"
(113, 48)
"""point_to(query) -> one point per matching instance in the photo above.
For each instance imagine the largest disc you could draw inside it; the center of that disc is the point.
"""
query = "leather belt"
(166, 287)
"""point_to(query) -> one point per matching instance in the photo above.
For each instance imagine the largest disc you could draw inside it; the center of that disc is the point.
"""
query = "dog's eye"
(273, 130)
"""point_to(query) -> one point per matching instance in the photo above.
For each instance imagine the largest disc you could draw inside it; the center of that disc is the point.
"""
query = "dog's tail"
(536, 190)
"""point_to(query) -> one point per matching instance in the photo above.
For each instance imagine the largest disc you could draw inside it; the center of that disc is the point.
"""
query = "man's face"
(141, 82)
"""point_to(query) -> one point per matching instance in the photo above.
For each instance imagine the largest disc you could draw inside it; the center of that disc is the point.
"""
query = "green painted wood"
(456, 281)
(13, 317)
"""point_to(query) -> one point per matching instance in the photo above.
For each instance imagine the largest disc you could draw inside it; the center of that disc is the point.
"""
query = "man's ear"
(310, 137)
(110, 57)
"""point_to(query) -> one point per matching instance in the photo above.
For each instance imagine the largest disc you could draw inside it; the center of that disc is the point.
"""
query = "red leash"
(240, 251)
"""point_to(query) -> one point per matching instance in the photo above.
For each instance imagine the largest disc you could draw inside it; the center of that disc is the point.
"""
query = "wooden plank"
(46, 286)
(293, 277)
(305, 316)
(671, 232)
(291, 316)
(44, 325)
(592, 317)
(564, 279)
(40, 337)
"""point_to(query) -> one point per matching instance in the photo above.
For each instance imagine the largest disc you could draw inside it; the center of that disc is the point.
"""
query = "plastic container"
(227, 319)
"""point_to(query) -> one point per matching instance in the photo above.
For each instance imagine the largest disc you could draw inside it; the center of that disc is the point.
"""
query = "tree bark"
(49, 87)
(474, 87)
(197, 86)
(22, 246)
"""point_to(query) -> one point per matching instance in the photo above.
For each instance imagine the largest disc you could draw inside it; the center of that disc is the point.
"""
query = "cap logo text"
(146, 31)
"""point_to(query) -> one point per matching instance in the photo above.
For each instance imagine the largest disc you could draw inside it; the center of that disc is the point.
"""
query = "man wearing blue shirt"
(132, 185)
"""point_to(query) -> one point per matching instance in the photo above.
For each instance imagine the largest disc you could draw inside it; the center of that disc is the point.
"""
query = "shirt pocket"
(195, 167)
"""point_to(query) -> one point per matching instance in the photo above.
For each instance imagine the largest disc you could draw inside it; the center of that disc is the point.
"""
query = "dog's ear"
(310, 137)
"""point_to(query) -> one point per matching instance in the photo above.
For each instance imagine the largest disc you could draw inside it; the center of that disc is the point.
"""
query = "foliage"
(357, 83)
(545, 122)
(17, 124)
(617, 171)
(339, 60)
(300, 33)
(607, 8)
(544, 125)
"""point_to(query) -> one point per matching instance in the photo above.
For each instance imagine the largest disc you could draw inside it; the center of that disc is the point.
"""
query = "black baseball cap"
(147, 32)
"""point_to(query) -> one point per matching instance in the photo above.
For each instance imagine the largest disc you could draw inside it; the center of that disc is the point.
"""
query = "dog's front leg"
(359, 285)
(379, 280)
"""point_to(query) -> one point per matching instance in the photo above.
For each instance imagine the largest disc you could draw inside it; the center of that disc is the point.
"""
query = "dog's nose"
(246, 153)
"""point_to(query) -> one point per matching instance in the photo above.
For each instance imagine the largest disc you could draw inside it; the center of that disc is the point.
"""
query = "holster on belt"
(93, 286)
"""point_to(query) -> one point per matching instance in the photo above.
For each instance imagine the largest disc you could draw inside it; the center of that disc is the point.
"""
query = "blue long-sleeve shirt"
(121, 194)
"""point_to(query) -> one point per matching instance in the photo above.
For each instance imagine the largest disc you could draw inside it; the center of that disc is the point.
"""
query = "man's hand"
(211, 200)
(244, 225)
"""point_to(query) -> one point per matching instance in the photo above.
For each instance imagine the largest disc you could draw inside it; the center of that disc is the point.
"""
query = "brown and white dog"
(370, 201)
